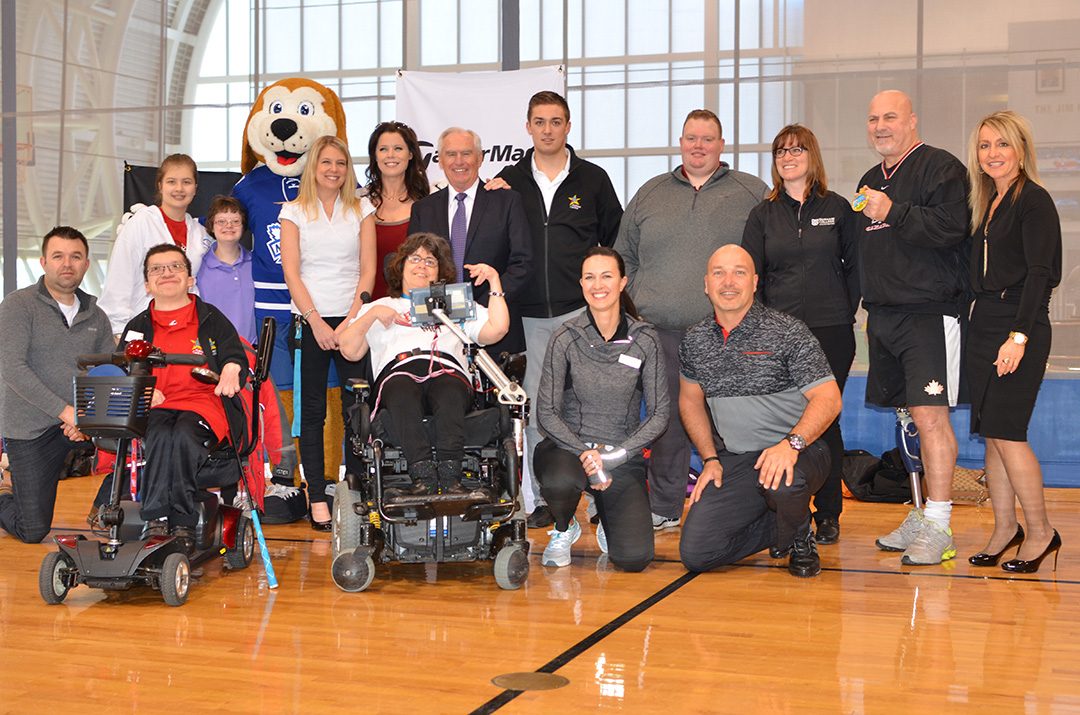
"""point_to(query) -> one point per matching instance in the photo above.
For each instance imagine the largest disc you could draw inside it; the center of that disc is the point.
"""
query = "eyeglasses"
(426, 260)
(228, 222)
(161, 268)
(793, 150)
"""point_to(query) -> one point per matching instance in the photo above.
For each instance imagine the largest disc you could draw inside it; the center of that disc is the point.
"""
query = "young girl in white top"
(328, 257)
(124, 295)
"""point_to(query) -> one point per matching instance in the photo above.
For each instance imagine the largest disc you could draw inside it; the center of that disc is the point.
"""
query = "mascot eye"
(306, 109)
(277, 108)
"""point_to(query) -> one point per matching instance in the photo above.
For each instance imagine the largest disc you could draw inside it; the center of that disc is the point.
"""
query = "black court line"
(589, 641)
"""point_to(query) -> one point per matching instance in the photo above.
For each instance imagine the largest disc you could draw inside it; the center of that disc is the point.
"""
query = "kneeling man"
(188, 418)
(762, 375)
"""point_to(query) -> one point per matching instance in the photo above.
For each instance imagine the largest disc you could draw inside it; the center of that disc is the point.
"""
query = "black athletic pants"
(623, 507)
(838, 343)
(445, 398)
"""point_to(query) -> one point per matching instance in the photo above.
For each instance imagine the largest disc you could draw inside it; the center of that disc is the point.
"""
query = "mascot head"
(286, 119)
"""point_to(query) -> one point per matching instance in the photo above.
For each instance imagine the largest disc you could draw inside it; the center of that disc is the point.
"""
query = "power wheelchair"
(372, 522)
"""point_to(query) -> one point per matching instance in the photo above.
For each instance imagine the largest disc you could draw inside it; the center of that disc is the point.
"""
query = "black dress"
(1015, 264)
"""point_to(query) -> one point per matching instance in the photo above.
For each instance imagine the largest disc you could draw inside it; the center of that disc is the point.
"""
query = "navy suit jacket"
(498, 235)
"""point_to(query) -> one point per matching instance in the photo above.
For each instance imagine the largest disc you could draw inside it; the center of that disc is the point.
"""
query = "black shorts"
(914, 359)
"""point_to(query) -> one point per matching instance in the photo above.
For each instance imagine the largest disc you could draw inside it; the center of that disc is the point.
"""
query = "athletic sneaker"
(660, 523)
(931, 545)
(557, 552)
(902, 536)
(283, 504)
(601, 537)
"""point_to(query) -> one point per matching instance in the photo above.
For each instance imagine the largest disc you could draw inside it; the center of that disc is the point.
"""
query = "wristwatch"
(1018, 338)
(797, 441)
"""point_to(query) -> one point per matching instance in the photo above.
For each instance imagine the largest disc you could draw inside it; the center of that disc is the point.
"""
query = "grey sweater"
(37, 357)
(668, 232)
(591, 390)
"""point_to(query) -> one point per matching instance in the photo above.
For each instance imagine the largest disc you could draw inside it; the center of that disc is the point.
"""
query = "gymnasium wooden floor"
(867, 636)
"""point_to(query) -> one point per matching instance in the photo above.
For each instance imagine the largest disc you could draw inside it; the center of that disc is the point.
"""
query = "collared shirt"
(470, 199)
(548, 187)
(329, 254)
(755, 377)
(231, 290)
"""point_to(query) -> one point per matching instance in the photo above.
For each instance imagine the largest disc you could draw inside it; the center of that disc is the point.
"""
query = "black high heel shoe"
(327, 525)
(1021, 566)
(984, 559)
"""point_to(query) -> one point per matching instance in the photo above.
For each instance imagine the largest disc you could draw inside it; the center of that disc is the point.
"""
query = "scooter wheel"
(511, 567)
(175, 579)
(353, 573)
(242, 553)
(347, 524)
(51, 578)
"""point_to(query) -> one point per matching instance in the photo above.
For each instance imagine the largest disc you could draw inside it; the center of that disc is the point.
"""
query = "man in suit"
(482, 226)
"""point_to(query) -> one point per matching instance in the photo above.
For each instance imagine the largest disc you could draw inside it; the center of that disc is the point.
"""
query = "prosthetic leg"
(907, 441)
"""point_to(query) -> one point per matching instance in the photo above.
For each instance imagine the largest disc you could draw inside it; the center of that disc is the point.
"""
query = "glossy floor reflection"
(867, 636)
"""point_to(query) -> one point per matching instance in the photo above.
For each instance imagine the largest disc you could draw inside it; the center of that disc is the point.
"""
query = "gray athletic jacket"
(37, 357)
(591, 390)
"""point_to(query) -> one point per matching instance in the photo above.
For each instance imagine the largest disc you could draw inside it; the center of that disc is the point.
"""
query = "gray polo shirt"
(755, 377)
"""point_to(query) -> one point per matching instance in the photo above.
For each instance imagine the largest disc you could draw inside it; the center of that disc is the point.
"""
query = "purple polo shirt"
(230, 289)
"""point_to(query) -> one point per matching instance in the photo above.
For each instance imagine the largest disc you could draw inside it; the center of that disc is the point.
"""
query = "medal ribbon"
(887, 173)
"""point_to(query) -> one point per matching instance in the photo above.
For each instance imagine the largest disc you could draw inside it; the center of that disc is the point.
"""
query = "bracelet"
(709, 459)
(497, 293)
(306, 313)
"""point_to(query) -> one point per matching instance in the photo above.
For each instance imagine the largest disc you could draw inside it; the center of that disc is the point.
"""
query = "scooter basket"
(113, 407)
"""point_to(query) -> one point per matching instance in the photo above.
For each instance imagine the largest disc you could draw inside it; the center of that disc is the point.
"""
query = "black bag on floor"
(876, 480)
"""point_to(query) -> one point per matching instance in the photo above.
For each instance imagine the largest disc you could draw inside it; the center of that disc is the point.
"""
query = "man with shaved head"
(913, 269)
(764, 379)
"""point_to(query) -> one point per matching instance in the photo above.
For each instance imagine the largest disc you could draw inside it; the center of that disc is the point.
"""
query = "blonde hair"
(1015, 130)
(307, 198)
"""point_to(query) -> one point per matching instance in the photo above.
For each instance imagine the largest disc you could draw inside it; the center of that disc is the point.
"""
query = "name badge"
(630, 360)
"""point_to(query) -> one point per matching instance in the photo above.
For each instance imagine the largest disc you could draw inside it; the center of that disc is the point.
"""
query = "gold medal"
(860, 201)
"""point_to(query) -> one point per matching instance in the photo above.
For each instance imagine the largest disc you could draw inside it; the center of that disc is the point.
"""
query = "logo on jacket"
(575, 202)
(830, 221)
(273, 241)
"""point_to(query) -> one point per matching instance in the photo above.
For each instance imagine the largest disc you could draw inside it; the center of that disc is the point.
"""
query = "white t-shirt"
(329, 255)
(384, 344)
(69, 311)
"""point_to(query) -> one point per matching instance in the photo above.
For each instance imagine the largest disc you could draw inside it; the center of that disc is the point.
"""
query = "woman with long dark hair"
(396, 180)
(802, 240)
(598, 368)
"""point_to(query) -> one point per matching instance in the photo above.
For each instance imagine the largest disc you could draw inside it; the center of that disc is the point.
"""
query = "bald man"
(764, 379)
(913, 248)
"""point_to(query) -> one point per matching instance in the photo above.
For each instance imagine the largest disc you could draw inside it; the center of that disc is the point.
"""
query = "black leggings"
(314, 372)
(623, 507)
(445, 398)
(838, 344)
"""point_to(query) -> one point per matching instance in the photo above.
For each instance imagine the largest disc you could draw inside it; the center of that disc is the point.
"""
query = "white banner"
(492, 104)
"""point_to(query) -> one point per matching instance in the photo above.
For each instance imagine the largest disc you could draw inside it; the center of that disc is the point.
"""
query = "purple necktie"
(458, 232)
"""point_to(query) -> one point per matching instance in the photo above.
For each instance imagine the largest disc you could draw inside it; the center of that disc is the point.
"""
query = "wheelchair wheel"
(511, 567)
(352, 572)
(51, 578)
(175, 579)
(347, 525)
(242, 553)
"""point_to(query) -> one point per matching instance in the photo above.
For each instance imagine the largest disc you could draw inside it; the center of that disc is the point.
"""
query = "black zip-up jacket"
(805, 256)
(916, 260)
(585, 212)
(221, 345)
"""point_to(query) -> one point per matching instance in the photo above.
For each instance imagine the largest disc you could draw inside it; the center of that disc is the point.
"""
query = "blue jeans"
(36, 466)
